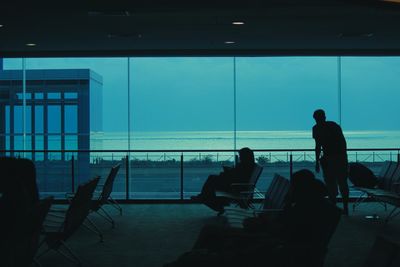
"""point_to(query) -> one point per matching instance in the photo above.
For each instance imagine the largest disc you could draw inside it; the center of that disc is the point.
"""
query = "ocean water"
(225, 140)
(215, 140)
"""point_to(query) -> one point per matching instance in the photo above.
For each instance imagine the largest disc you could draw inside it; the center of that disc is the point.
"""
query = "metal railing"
(182, 172)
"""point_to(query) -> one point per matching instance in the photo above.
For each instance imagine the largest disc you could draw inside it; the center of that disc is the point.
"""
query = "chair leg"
(383, 204)
(392, 214)
(115, 205)
(70, 255)
(359, 200)
(106, 216)
(93, 228)
(43, 253)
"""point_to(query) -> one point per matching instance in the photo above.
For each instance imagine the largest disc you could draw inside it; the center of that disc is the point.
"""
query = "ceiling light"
(238, 23)
(229, 42)
(1, 25)
(30, 44)
(123, 13)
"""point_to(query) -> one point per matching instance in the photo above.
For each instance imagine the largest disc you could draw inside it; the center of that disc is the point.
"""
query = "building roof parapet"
(52, 74)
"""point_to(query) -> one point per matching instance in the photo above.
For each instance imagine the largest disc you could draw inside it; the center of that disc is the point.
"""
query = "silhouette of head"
(246, 156)
(305, 187)
(319, 115)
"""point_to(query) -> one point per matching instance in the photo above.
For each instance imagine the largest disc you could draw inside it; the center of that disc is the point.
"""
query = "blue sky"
(272, 93)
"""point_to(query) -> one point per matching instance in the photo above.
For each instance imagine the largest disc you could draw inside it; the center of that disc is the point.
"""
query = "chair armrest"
(242, 187)
(237, 210)
(49, 227)
(226, 194)
(54, 219)
(242, 184)
(69, 196)
(58, 210)
(269, 210)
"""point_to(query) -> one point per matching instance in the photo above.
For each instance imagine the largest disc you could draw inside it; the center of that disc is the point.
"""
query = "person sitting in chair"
(241, 173)
(298, 237)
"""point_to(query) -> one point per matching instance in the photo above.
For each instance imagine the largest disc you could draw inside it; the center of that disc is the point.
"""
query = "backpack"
(362, 176)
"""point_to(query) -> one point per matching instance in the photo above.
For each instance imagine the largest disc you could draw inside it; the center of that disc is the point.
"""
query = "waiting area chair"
(39, 214)
(100, 198)
(242, 194)
(103, 197)
(273, 202)
(56, 233)
(385, 177)
(387, 191)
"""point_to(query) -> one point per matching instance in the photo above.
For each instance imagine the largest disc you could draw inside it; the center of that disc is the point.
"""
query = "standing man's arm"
(317, 155)
(317, 148)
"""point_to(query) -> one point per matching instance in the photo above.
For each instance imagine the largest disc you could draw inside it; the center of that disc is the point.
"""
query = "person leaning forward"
(331, 154)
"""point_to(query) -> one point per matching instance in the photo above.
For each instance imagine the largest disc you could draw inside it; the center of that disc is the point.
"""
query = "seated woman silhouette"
(241, 173)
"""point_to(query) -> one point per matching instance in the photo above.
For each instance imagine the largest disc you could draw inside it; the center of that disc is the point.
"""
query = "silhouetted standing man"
(329, 138)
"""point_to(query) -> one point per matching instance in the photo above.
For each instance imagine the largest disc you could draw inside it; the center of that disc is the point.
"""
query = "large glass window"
(171, 108)
(276, 98)
(179, 103)
(370, 101)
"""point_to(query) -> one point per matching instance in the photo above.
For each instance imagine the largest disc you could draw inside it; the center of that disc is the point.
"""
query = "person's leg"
(209, 186)
(330, 182)
(343, 186)
(208, 189)
(207, 195)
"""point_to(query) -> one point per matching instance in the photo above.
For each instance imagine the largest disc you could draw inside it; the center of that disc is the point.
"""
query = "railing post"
(73, 174)
(356, 157)
(373, 156)
(398, 156)
(127, 177)
(291, 165)
(182, 176)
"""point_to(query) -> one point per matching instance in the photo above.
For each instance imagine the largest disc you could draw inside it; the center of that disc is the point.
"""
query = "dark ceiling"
(160, 27)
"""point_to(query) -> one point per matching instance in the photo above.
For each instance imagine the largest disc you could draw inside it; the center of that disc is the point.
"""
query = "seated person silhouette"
(299, 236)
(241, 173)
(19, 194)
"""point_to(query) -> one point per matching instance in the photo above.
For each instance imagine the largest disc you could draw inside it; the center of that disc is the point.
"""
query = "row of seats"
(387, 190)
(384, 251)
(29, 224)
